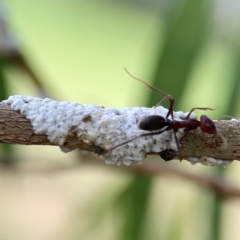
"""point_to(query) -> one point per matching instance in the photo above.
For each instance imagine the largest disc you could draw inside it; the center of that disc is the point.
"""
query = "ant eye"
(211, 127)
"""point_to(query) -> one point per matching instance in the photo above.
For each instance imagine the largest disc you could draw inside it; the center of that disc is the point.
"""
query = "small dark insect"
(98, 150)
(156, 122)
(206, 124)
(86, 118)
(167, 154)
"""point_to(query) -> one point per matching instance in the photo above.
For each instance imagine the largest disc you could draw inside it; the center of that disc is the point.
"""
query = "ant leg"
(218, 133)
(142, 135)
(199, 135)
(170, 111)
(123, 143)
(177, 142)
(199, 108)
(171, 100)
(161, 102)
(187, 131)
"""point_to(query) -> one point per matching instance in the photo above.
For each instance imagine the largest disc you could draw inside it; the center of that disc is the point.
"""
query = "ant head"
(207, 125)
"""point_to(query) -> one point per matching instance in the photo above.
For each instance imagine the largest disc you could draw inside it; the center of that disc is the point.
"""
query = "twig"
(220, 186)
(33, 121)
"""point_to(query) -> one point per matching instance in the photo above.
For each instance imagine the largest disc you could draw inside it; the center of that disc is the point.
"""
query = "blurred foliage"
(184, 38)
(132, 204)
(185, 35)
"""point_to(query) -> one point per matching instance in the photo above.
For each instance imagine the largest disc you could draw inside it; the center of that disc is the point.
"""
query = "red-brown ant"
(156, 122)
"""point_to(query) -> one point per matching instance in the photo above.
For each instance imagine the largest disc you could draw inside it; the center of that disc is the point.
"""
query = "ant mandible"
(156, 122)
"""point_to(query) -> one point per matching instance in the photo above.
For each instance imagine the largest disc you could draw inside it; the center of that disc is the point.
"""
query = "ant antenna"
(166, 96)
(224, 141)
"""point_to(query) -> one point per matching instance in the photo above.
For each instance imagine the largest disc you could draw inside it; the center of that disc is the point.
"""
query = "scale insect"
(156, 124)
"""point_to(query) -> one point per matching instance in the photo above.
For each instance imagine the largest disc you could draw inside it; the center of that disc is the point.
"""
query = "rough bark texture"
(200, 144)
(16, 129)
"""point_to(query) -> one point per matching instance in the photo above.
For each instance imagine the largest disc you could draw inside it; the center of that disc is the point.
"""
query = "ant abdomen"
(153, 122)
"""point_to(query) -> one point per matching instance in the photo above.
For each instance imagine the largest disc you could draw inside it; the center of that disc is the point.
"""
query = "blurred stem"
(232, 110)
(217, 212)
(134, 201)
(3, 88)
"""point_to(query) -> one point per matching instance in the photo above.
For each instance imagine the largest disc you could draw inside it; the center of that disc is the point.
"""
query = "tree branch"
(220, 185)
(33, 121)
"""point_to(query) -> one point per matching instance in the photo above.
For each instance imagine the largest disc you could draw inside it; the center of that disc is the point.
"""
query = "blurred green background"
(76, 50)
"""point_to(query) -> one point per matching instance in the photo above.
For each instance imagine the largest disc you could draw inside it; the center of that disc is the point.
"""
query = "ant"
(159, 124)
